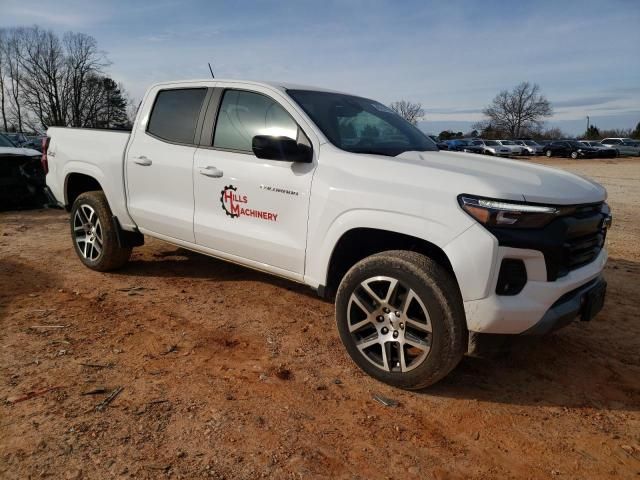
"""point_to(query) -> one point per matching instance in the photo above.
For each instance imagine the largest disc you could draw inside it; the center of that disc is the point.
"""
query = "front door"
(247, 207)
(159, 165)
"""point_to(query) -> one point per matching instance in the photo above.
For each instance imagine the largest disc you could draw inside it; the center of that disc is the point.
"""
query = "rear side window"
(244, 115)
(175, 114)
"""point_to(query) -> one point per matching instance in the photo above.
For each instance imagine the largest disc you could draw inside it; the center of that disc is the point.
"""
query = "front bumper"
(567, 308)
(534, 309)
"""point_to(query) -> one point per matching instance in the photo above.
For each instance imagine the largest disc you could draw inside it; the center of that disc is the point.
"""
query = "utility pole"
(587, 123)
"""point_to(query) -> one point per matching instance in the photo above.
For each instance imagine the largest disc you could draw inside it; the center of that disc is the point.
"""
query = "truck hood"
(27, 152)
(505, 179)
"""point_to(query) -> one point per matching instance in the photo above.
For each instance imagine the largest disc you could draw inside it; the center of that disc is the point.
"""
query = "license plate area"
(593, 301)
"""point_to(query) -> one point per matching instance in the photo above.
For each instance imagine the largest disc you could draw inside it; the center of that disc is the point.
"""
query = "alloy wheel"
(88, 232)
(389, 324)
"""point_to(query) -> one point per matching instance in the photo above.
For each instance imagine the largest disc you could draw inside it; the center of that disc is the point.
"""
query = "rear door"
(245, 207)
(159, 162)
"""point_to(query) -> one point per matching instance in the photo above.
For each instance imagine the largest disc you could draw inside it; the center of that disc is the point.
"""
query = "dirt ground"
(229, 373)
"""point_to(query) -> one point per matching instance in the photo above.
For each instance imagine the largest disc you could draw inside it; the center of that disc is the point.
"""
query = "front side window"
(360, 125)
(243, 115)
(175, 114)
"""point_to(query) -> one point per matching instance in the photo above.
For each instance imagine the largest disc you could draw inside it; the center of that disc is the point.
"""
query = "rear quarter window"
(175, 114)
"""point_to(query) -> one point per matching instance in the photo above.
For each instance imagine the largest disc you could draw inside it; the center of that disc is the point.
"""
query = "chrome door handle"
(211, 171)
(142, 160)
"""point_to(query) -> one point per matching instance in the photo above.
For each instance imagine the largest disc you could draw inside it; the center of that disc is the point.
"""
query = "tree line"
(47, 80)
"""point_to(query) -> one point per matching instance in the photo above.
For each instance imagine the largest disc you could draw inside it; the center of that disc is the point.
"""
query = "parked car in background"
(22, 177)
(531, 147)
(35, 142)
(441, 144)
(569, 148)
(492, 147)
(463, 145)
(624, 146)
(18, 139)
(603, 151)
(510, 144)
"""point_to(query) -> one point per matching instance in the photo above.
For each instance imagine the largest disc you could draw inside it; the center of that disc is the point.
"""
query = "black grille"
(571, 241)
(584, 238)
(583, 250)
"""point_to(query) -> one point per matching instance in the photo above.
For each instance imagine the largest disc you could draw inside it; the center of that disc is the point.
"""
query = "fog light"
(512, 277)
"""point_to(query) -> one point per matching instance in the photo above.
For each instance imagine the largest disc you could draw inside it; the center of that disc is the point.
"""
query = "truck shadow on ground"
(183, 263)
(589, 365)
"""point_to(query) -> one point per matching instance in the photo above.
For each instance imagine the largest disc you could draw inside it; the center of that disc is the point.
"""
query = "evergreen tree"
(592, 133)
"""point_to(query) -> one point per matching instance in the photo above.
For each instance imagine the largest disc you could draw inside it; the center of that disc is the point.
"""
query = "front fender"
(322, 246)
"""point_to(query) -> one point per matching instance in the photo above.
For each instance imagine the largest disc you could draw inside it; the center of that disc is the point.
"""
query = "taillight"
(45, 160)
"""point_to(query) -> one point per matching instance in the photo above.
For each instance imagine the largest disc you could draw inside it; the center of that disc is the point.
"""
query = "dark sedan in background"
(603, 151)
(569, 148)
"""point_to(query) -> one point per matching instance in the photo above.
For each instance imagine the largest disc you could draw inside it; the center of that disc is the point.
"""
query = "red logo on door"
(236, 205)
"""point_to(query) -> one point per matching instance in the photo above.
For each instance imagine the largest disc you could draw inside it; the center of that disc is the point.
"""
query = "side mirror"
(281, 148)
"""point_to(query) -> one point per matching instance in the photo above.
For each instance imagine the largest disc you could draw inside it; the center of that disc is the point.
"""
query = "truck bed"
(94, 152)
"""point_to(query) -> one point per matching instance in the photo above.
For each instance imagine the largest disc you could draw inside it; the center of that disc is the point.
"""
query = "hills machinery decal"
(235, 205)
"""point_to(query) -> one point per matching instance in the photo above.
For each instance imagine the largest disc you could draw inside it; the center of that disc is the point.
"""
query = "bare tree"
(51, 81)
(3, 74)
(45, 79)
(411, 112)
(11, 56)
(84, 62)
(518, 111)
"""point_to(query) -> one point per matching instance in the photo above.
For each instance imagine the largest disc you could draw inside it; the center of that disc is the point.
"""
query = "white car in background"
(624, 146)
(529, 147)
(492, 147)
(511, 145)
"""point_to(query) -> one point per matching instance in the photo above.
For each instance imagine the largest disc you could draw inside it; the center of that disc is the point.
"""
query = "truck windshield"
(360, 125)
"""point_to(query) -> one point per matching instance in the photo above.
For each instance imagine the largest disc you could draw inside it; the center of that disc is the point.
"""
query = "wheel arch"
(75, 184)
(360, 242)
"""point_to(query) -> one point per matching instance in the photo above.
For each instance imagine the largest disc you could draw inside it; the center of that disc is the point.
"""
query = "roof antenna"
(211, 70)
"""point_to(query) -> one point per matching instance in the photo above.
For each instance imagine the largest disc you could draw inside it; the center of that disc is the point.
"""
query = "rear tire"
(94, 233)
(574, 155)
(548, 153)
(401, 319)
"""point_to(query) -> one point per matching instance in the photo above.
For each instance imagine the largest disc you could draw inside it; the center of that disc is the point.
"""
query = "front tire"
(94, 234)
(548, 153)
(400, 317)
(574, 155)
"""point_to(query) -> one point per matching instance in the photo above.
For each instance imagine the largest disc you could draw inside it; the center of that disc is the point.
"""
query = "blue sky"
(453, 57)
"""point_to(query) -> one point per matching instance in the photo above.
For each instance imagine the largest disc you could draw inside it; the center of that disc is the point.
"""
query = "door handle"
(142, 160)
(211, 171)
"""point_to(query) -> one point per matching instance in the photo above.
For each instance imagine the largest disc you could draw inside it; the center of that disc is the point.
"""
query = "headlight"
(498, 213)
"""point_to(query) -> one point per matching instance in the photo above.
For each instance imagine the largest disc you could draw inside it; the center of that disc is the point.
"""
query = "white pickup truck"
(425, 252)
